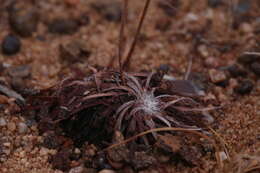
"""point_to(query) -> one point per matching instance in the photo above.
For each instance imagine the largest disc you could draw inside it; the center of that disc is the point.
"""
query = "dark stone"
(18, 84)
(164, 68)
(75, 156)
(100, 162)
(241, 13)
(163, 24)
(110, 10)
(244, 87)
(84, 20)
(255, 67)
(113, 14)
(21, 71)
(248, 58)
(11, 45)
(51, 141)
(2, 68)
(61, 160)
(74, 51)
(40, 38)
(223, 84)
(199, 80)
(214, 3)
(63, 26)
(242, 7)
(170, 7)
(23, 19)
(236, 71)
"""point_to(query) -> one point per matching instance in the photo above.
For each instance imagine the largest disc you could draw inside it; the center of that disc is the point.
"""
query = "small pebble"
(258, 85)
(90, 170)
(7, 144)
(78, 169)
(163, 24)
(11, 45)
(7, 151)
(246, 28)
(164, 68)
(244, 87)
(191, 17)
(169, 7)
(106, 171)
(242, 7)
(222, 156)
(211, 62)
(63, 26)
(203, 50)
(21, 71)
(232, 84)
(214, 3)
(22, 154)
(163, 158)
(77, 151)
(72, 2)
(44, 151)
(200, 80)
(217, 76)
(2, 122)
(23, 18)
(11, 126)
(110, 10)
(74, 51)
(22, 128)
(248, 58)
(255, 67)
(236, 71)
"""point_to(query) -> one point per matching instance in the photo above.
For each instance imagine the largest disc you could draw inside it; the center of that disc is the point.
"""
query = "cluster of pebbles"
(20, 146)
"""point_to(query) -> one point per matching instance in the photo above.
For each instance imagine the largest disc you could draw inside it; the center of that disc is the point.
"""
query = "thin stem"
(187, 75)
(121, 45)
(126, 64)
(252, 53)
(158, 130)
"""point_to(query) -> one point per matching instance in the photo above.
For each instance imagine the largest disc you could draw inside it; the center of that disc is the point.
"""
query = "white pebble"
(7, 151)
(106, 171)
(22, 128)
(78, 169)
(77, 151)
(2, 122)
(191, 17)
(217, 75)
(44, 151)
(7, 144)
(223, 156)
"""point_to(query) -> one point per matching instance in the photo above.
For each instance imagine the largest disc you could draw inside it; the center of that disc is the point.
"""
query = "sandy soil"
(215, 35)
